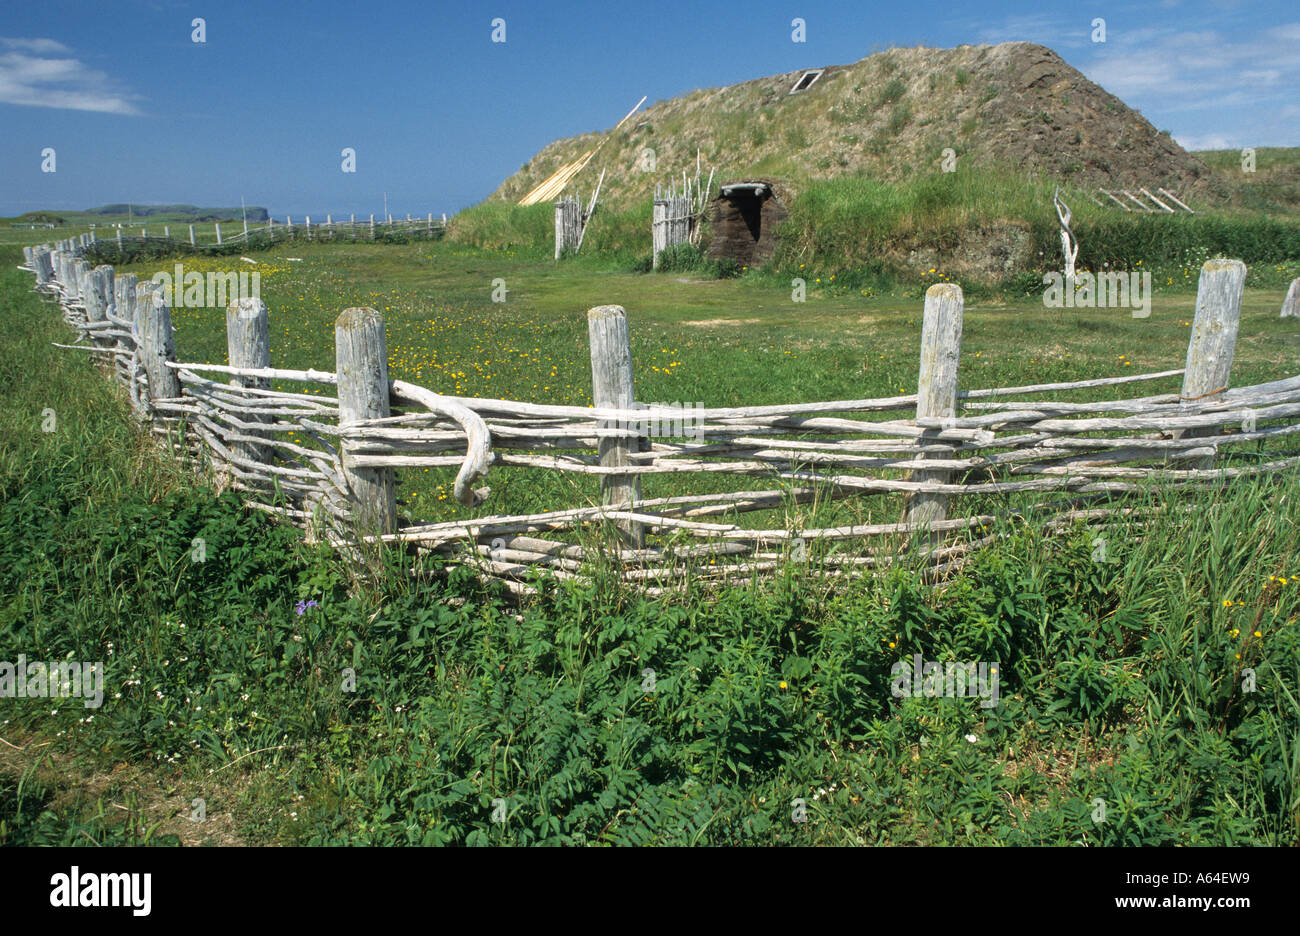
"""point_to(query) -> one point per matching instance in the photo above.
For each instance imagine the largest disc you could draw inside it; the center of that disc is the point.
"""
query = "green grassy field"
(1121, 681)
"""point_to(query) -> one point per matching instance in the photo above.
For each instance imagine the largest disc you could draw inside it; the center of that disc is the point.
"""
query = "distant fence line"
(272, 232)
(329, 463)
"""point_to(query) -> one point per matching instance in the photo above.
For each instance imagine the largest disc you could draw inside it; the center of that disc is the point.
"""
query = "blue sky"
(438, 114)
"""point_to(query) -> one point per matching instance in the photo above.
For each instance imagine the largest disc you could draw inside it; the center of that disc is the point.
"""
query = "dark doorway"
(741, 219)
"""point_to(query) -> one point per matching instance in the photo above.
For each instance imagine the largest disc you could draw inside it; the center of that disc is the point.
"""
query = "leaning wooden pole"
(612, 388)
(361, 358)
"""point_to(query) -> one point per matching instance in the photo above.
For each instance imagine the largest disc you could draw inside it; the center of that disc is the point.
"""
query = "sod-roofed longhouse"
(741, 220)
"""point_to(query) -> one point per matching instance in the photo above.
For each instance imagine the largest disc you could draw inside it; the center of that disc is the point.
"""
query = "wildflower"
(1227, 603)
(1258, 634)
(304, 605)
(782, 684)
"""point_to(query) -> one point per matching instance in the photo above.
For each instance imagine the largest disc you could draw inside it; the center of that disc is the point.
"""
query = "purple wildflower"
(304, 605)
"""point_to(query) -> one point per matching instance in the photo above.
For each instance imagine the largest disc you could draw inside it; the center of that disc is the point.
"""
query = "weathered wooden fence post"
(46, 260)
(568, 224)
(936, 391)
(124, 296)
(80, 270)
(42, 262)
(68, 276)
(361, 362)
(248, 344)
(1291, 304)
(167, 230)
(1214, 339)
(124, 309)
(157, 344)
(217, 224)
(612, 388)
(119, 240)
(372, 226)
(308, 227)
(97, 298)
(191, 235)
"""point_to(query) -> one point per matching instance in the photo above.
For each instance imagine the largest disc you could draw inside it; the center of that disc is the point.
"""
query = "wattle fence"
(328, 462)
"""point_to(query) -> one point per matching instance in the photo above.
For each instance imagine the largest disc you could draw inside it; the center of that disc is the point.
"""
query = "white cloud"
(1124, 75)
(1208, 141)
(43, 73)
(34, 45)
(1177, 64)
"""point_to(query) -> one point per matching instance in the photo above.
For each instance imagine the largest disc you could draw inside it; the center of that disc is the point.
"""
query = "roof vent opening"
(806, 81)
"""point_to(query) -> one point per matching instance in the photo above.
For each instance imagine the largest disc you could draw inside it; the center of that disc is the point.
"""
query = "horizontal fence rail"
(330, 461)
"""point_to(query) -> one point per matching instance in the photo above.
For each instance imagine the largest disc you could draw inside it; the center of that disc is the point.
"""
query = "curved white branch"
(478, 454)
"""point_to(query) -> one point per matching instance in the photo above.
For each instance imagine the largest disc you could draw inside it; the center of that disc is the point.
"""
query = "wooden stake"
(157, 344)
(1291, 304)
(611, 380)
(1214, 338)
(361, 356)
(248, 344)
(936, 388)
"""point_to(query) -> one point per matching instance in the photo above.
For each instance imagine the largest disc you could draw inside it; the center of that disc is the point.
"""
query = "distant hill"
(181, 212)
(1014, 106)
(39, 217)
